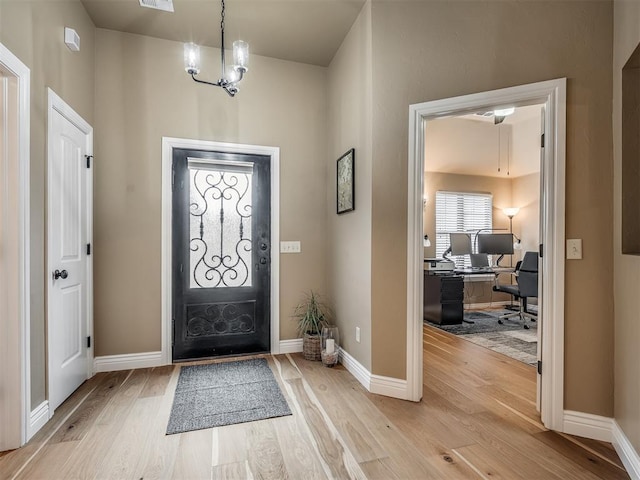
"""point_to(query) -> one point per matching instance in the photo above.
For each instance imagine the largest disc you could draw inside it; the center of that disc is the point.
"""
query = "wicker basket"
(311, 346)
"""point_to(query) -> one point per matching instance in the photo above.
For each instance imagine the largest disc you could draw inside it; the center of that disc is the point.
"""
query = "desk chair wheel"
(526, 327)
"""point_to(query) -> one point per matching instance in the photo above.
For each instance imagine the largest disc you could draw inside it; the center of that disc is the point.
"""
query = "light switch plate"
(290, 247)
(574, 249)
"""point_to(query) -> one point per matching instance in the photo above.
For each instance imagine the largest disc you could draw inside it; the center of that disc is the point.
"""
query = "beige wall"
(500, 188)
(430, 50)
(143, 94)
(34, 32)
(349, 235)
(627, 267)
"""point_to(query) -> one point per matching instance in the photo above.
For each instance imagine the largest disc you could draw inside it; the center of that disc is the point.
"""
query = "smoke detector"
(164, 5)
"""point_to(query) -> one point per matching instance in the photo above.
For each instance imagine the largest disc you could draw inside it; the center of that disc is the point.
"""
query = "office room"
(482, 200)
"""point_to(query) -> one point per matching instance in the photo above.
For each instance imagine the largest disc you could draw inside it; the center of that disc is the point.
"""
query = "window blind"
(461, 212)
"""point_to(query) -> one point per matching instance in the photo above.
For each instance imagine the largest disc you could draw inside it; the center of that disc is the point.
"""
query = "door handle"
(60, 274)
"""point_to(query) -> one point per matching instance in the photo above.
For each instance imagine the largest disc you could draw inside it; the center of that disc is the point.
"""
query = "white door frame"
(168, 144)
(16, 355)
(553, 94)
(57, 104)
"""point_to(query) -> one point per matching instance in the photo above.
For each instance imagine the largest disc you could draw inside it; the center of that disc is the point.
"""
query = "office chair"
(527, 286)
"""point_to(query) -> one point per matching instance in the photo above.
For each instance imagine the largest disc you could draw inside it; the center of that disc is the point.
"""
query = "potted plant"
(311, 314)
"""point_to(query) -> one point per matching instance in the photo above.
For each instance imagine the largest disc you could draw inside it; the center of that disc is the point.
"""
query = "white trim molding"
(552, 94)
(587, 425)
(388, 386)
(39, 416)
(129, 361)
(291, 346)
(16, 355)
(355, 368)
(168, 144)
(626, 452)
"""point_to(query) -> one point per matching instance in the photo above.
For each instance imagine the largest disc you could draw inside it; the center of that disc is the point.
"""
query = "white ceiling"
(473, 145)
(306, 31)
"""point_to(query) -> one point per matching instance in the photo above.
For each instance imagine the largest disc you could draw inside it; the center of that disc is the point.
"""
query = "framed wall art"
(345, 191)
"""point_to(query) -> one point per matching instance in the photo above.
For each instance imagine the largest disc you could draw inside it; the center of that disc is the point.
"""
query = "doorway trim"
(168, 144)
(553, 94)
(18, 354)
(56, 104)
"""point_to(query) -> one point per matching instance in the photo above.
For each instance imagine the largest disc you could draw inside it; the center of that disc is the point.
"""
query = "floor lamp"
(511, 212)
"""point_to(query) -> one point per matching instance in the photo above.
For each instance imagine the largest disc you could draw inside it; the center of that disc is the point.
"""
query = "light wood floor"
(477, 421)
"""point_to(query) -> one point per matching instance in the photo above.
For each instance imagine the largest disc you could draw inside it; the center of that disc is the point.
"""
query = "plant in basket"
(311, 314)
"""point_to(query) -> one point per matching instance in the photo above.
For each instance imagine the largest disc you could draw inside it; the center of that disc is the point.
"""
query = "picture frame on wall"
(345, 184)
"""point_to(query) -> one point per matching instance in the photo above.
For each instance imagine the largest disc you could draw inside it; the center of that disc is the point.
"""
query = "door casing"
(552, 93)
(18, 426)
(57, 104)
(168, 144)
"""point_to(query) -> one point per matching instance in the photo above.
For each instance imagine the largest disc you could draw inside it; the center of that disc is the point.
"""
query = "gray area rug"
(220, 394)
(510, 338)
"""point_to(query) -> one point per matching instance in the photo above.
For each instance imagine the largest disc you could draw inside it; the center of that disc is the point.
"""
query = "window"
(461, 212)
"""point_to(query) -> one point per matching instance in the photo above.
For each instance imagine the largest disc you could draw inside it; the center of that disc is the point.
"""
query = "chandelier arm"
(215, 84)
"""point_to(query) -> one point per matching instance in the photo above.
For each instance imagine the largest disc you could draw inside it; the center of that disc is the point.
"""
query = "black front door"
(221, 254)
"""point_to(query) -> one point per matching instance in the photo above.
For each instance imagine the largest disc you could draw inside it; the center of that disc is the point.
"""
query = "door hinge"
(173, 179)
(173, 332)
(88, 342)
(540, 248)
(88, 249)
(181, 269)
(539, 367)
(88, 157)
(542, 141)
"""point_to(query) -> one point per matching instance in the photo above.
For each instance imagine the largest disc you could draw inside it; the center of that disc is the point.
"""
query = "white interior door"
(68, 230)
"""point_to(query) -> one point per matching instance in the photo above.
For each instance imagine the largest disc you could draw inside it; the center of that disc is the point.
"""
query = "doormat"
(220, 394)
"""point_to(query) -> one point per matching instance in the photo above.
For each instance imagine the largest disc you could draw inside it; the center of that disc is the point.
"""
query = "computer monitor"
(495, 243)
(460, 243)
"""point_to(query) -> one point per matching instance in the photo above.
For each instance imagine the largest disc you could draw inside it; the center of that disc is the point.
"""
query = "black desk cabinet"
(443, 298)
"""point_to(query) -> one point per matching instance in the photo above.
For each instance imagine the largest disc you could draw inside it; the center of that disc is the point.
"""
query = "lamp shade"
(192, 58)
(510, 212)
(241, 54)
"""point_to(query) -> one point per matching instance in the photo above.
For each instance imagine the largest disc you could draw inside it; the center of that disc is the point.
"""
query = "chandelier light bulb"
(241, 55)
(192, 58)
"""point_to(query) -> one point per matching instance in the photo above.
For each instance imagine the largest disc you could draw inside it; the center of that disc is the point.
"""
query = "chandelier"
(229, 78)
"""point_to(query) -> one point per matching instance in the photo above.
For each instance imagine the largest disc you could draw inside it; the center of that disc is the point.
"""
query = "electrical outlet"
(358, 334)
(574, 249)
(290, 247)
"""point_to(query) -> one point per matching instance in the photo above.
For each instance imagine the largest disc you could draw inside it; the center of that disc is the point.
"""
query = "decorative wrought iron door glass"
(220, 224)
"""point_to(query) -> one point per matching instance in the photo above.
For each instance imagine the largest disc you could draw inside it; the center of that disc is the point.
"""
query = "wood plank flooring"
(477, 420)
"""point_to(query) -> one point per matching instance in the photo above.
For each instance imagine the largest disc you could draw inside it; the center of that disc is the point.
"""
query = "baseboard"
(39, 416)
(355, 368)
(291, 346)
(587, 425)
(626, 452)
(129, 361)
(389, 386)
(479, 306)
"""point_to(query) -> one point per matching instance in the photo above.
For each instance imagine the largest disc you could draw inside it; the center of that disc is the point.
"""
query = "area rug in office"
(225, 393)
(509, 338)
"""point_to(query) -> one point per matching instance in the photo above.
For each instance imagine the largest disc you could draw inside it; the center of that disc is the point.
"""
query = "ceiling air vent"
(165, 5)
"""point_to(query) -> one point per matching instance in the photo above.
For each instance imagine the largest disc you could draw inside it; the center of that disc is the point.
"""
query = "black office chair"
(527, 286)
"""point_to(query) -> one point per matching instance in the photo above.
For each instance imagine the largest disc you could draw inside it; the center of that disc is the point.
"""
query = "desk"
(443, 296)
